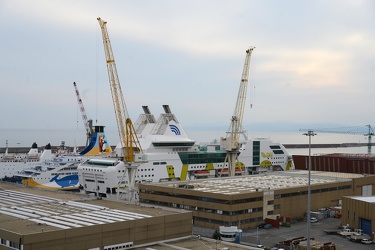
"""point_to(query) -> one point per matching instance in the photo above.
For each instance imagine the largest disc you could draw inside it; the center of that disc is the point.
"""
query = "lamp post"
(309, 134)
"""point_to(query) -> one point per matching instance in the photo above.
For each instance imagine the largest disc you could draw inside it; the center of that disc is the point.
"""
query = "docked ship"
(60, 172)
(11, 164)
(171, 155)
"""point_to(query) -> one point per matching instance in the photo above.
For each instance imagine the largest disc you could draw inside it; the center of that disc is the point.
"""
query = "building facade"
(359, 212)
(345, 163)
(247, 200)
(32, 219)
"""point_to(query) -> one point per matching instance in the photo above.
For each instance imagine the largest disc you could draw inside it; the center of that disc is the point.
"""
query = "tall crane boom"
(87, 123)
(236, 122)
(127, 134)
(231, 142)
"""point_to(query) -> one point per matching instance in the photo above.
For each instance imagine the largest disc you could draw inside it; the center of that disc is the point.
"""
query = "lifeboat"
(240, 170)
(202, 173)
(225, 171)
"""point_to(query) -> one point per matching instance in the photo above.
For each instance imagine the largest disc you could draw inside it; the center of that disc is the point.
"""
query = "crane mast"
(127, 134)
(231, 142)
(128, 137)
(86, 121)
(369, 137)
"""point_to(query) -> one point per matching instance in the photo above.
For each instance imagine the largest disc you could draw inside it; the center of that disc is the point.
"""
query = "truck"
(331, 231)
(356, 237)
(346, 232)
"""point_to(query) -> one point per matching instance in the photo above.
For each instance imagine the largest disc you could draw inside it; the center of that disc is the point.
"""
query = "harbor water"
(77, 137)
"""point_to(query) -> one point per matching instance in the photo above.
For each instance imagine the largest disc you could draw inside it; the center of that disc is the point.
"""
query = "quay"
(24, 150)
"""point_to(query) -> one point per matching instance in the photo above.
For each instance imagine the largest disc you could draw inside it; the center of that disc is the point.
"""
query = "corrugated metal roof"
(28, 210)
(269, 181)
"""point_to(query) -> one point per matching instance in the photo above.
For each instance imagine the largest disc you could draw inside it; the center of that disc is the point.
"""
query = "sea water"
(77, 137)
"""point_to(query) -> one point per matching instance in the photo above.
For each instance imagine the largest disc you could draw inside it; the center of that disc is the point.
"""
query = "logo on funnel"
(175, 129)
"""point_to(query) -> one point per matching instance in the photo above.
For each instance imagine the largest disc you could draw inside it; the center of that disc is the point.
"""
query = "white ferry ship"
(171, 155)
(11, 164)
(60, 172)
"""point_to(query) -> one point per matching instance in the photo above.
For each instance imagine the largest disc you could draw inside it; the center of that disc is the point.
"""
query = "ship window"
(280, 152)
(156, 163)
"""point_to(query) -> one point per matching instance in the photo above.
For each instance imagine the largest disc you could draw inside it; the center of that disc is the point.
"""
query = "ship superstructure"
(59, 172)
(171, 155)
(11, 164)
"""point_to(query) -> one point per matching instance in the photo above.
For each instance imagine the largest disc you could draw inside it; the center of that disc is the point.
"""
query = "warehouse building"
(359, 212)
(345, 163)
(34, 219)
(246, 201)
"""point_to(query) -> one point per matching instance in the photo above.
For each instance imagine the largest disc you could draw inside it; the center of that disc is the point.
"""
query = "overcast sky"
(313, 65)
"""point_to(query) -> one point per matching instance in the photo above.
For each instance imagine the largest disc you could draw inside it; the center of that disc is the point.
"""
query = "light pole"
(309, 134)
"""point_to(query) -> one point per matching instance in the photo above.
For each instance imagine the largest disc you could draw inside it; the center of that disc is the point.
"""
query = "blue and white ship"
(60, 173)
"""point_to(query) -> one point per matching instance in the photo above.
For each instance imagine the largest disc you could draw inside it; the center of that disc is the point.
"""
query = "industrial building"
(246, 201)
(359, 212)
(32, 219)
(345, 163)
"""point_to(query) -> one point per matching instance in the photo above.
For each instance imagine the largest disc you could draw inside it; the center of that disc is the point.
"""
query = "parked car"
(313, 220)
(366, 241)
(267, 226)
(261, 225)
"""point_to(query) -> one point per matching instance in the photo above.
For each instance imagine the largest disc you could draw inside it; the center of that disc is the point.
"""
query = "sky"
(313, 65)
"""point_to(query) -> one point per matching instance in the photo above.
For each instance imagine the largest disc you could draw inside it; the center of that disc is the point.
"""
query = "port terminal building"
(246, 201)
(35, 219)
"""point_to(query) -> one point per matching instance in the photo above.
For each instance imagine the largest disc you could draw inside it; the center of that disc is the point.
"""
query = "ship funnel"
(99, 144)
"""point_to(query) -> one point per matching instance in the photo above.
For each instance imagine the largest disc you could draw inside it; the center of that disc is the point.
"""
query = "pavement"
(269, 237)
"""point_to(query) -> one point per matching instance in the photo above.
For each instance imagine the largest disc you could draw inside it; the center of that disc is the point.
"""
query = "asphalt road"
(269, 237)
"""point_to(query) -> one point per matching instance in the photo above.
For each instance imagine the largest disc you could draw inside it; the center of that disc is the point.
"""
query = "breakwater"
(328, 145)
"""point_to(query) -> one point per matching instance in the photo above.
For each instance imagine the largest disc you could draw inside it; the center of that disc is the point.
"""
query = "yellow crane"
(232, 141)
(128, 137)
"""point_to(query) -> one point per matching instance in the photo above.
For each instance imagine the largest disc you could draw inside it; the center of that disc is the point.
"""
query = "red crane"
(87, 122)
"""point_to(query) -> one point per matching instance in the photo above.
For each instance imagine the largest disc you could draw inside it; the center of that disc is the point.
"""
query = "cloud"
(313, 60)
